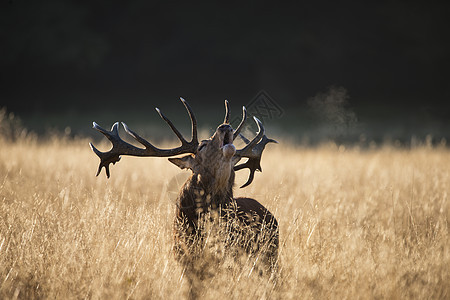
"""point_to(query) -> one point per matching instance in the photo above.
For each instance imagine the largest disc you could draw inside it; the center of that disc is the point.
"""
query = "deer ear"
(185, 162)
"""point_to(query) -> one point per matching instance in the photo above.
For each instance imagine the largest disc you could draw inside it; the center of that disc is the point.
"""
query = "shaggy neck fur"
(202, 194)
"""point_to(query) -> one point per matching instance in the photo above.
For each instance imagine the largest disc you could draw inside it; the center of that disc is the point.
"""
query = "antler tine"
(107, 158)
(193, 121)
(120, 147)
(249, 147)
(246, 141)
(253, 151)
(179, 135)
(175, 130)
(226, 120)
(114, 132)
(238, 129)
(138, 138)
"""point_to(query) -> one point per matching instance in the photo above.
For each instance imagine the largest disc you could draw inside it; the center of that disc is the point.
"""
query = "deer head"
(213, 161)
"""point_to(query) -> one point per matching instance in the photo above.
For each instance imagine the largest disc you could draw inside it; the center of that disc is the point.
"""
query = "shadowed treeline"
(346, 71)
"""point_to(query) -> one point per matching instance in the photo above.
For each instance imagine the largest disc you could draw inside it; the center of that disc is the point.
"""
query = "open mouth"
(227, 145)
(227, 138)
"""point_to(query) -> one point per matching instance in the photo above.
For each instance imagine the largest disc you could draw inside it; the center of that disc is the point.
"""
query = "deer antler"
(238, 129)
(226, 119)
(120, 147)
(253, 150)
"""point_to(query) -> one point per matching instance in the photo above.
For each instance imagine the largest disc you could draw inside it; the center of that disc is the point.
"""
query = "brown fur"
(209, 192)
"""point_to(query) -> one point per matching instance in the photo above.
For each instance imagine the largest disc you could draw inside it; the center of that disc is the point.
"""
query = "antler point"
(127, 130)
(96, 151)
(115, 128)
(256, 119)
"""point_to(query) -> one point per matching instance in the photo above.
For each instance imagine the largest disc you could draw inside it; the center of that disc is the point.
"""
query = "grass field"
(354, 224)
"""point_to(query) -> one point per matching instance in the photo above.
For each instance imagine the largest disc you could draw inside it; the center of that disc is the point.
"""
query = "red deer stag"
(213, 163)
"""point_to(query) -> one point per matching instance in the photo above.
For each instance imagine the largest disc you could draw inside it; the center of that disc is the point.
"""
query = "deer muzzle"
(226, 140)
(228, 150)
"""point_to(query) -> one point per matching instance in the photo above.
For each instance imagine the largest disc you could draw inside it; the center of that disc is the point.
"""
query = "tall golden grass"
(353, 224)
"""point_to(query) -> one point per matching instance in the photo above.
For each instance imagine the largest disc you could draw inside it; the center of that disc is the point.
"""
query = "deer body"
(209, 191)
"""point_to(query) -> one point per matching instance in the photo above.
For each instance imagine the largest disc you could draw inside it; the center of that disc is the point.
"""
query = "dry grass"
(354, 224)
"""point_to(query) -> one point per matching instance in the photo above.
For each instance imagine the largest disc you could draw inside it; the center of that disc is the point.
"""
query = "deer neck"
(203, 193)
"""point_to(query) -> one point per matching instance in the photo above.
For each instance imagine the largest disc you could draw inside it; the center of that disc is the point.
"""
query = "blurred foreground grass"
(354, 224)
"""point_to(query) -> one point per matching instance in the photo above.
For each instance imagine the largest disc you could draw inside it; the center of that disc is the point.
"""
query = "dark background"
(363, 70)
